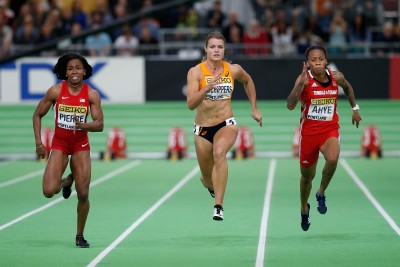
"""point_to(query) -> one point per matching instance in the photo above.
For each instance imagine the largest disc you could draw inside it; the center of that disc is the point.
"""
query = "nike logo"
(64, 97)
(85, 145)
(203, 133)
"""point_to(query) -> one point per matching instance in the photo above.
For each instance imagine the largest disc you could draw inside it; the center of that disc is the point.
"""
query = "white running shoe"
(218, 213)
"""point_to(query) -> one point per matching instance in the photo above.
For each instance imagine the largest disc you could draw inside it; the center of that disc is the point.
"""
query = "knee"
(219, 154)
(83, 197)
(82, 194)
(48, 193)
(307, 178)
(331, 161)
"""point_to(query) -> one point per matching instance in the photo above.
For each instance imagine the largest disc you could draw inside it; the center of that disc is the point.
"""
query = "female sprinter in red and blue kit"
(317, 88)
(72, 101)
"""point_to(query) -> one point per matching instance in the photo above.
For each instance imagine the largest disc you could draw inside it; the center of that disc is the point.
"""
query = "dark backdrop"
(274, 79)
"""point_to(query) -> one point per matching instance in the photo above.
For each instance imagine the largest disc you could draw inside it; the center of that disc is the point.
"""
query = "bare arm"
(40, 111)
(241, 75)
(195, 97)
(97, 123)
(299, 85)
(347, 88)
(349, 92)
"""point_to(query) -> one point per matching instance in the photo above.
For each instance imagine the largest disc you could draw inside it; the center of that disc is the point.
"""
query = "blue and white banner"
(118, 80)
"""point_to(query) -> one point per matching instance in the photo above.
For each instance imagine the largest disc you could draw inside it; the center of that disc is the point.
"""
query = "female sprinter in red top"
(210, 87)
(72, 101)
(318, 88)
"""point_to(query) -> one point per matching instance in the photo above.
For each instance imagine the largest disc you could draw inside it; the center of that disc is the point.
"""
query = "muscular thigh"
(81, 168)
(309, 150)
(310, 146)
(56, 165)
(204, 154)
(331, 149)
(225, 138)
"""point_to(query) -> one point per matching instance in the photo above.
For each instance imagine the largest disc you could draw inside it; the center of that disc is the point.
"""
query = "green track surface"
(147, 126)
(154, 212)
(178, 230)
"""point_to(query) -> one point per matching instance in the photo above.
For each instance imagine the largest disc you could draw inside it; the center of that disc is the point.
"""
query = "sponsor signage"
(118, 80)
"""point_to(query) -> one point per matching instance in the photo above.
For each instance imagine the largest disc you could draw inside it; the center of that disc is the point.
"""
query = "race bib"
(221, 91)
(321, 109)
(66, 114)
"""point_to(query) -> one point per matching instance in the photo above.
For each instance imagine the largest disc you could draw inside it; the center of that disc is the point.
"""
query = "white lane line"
(370, 197)
(21, 178)
(54, 202)
(6, 162)
(142, 218)
(265, 215)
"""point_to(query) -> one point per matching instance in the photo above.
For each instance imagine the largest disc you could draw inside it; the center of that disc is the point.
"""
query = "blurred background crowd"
(253, 28)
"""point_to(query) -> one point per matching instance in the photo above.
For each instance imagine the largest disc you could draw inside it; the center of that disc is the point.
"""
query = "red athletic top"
(318, 106)
(65, 108)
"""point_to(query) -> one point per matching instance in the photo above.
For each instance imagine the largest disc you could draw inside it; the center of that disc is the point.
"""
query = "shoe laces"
(321, 200)
(218, 209)
(305, 218)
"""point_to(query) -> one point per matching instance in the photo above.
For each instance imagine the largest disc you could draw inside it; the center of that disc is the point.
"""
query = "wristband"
(357, 107)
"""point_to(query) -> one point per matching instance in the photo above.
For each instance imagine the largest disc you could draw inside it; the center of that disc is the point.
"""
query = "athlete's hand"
(214, 81)
(257, 117)
(78, 124)
(303, 74)
(356, 118)
(41, 151)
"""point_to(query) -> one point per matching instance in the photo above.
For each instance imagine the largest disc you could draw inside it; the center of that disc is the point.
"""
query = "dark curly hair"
(60, 69)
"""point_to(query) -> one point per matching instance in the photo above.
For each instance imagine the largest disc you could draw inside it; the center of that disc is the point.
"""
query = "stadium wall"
(394, 91)
(274, 79)
(136, 80)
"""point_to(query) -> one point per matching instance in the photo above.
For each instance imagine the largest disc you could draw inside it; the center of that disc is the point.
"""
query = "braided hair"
(316, 47)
